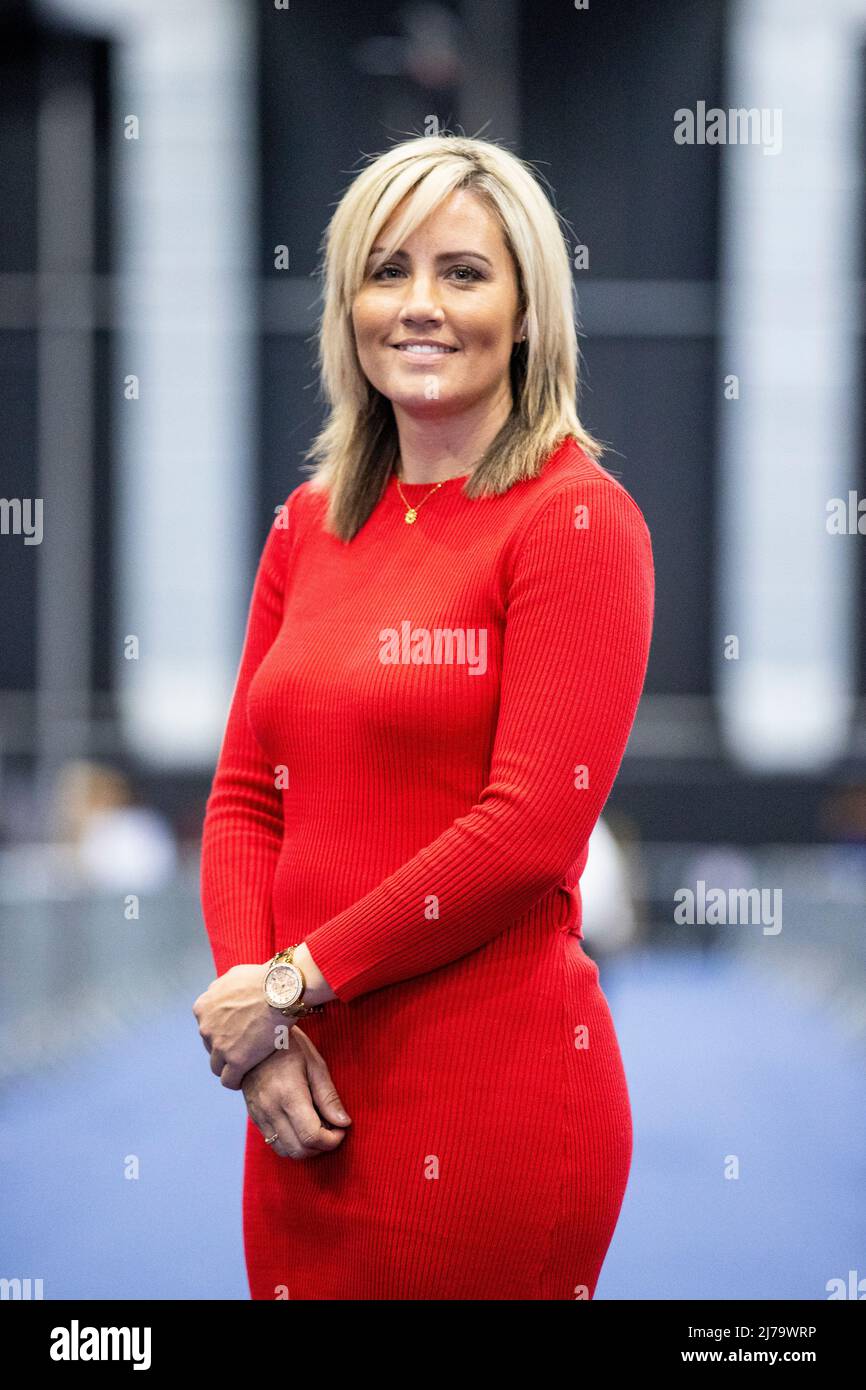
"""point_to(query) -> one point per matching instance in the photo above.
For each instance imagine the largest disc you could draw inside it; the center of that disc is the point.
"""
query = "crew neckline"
(460, 478)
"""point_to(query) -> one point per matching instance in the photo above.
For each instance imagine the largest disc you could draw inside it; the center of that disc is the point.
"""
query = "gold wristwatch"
(285, 985)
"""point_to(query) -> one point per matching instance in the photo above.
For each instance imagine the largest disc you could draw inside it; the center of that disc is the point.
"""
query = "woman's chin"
(418, 404)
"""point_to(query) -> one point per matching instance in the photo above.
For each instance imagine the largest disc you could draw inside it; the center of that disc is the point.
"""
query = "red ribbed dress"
(448, 704)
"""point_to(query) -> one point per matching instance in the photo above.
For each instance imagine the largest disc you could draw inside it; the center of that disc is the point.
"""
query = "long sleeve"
(580, 597)
(243, 823)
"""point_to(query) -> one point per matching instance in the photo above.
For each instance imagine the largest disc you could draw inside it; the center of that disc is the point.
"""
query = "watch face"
(284, 986)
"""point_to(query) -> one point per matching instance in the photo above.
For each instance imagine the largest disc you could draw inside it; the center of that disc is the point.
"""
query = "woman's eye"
(470, 270)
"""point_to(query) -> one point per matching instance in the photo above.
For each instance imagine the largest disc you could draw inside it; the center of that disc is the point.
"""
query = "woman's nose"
(421, 298)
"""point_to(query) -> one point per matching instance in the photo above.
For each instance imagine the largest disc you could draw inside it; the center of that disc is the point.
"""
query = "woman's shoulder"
(301, 504)
(571, 475)
(303, 494)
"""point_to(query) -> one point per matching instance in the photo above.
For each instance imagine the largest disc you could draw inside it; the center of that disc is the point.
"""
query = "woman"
(444, 655)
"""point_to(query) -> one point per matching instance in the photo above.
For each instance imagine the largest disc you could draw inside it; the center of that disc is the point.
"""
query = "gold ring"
(272, 1139)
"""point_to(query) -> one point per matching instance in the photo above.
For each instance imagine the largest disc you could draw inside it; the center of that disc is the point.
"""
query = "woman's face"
(453, 284)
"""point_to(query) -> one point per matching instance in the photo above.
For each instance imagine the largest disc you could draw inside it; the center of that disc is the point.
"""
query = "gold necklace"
(412, 512)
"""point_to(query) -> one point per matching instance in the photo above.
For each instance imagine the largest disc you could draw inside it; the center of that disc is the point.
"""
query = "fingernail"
(341, 1115)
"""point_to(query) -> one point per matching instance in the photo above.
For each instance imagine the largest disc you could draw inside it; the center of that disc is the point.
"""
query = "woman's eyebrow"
(443, 255)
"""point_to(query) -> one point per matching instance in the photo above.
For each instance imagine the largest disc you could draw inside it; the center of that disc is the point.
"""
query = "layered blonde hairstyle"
(358, 446)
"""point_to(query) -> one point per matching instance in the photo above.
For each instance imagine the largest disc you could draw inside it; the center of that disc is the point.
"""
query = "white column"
(790, 240)
(185, 203)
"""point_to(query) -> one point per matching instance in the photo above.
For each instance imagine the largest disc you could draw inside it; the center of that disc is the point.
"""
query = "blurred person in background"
(445, 650)
(117, 845)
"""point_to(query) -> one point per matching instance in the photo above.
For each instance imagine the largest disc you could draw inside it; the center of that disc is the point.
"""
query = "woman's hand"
(237, 1024)
(291, 1094)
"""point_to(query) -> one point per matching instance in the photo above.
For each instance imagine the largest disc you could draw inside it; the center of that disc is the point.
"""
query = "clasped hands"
(286, 1083)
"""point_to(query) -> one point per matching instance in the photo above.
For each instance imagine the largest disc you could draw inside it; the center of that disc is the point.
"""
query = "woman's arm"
(243, 823)
(576, 645)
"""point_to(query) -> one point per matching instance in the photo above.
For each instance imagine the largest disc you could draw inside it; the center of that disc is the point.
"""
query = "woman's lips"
(425, 354)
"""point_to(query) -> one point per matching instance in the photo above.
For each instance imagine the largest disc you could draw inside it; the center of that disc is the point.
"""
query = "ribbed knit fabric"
(426, 724)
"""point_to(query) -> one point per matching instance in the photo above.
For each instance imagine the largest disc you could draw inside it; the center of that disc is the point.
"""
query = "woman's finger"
(314, 1134)
(322, 1088)
(268, 1124)
(278, 1095)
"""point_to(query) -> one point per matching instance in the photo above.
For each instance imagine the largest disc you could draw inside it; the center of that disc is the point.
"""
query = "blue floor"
(720, 1062)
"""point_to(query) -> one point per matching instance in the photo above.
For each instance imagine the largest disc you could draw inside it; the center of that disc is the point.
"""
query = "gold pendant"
(410, 515)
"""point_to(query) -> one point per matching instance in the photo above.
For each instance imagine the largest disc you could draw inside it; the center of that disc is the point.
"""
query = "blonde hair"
(358, 446)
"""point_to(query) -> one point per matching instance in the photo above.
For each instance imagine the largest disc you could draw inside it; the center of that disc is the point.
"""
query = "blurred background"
(167, 173)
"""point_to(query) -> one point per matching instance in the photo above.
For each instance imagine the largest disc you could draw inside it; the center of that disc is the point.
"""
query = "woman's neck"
(432, 451)
(440, 478)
